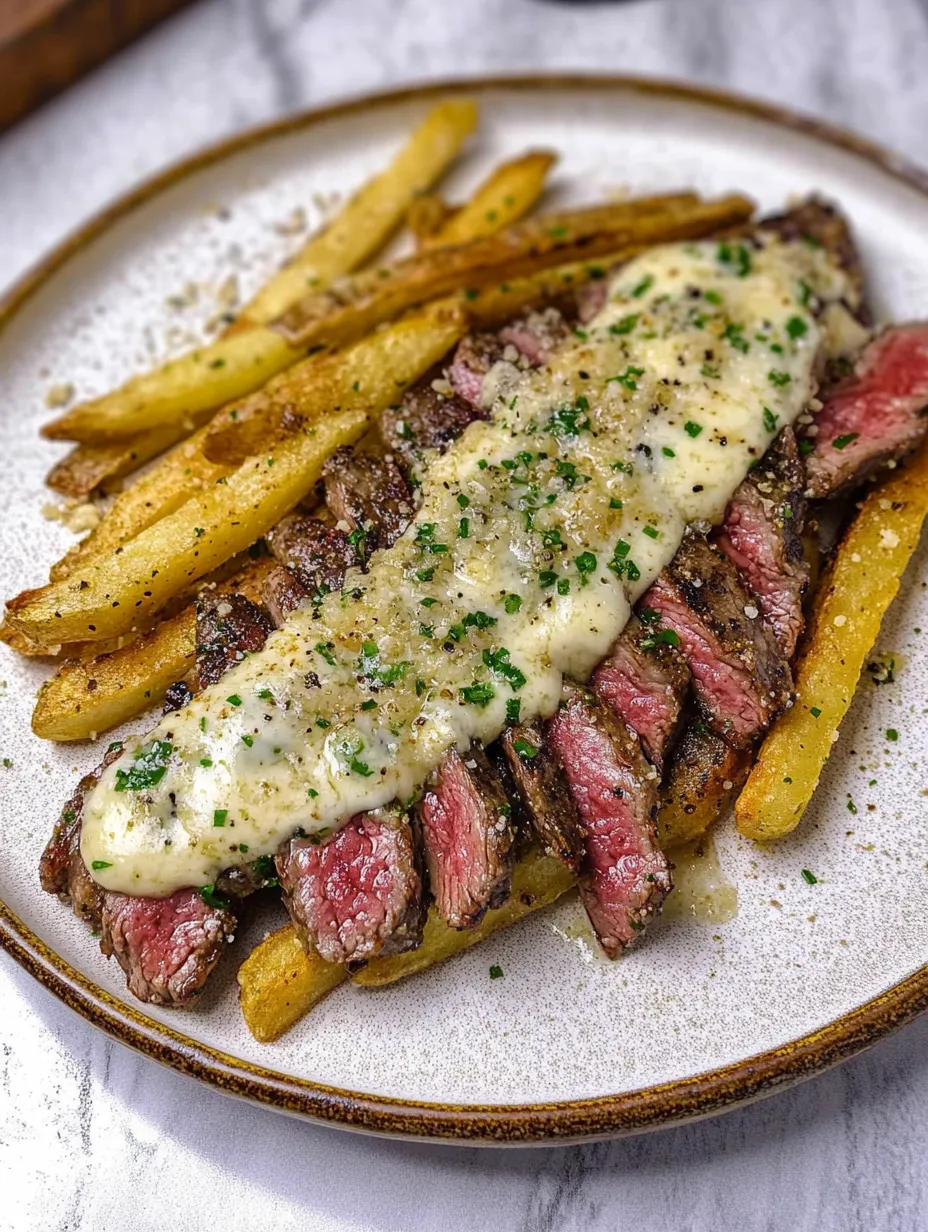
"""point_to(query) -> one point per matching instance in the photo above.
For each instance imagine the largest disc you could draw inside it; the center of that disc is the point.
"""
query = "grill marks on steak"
(370, 494)
(537, 777)
(229, 626)
(740, 675)
(874, 416)
(625, 876)
(644, 679)
(703, 775)
(762, 536)
(467, 838)
(357, 894)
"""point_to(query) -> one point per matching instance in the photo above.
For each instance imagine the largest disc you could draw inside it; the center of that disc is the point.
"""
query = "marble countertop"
(93, 1137)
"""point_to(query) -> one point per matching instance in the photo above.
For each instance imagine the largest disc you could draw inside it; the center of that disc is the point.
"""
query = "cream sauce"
(537, 532)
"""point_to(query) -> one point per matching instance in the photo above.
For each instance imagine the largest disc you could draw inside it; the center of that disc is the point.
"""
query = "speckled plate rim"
(648, 1108)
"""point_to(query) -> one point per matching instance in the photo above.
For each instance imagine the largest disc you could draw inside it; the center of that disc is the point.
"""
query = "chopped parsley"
(643, 287)
(778, 378)
(815, 711)
(626, 325)
(809, 877)
(478, 694)
(371, 667)
(651, 531)
(323, 649)
(498, 661)
(736, 257)
(892, 734)
(842, 442)
(211, 898)
(627, 378)
(496, 973)
(96, 865)
(586, 564)
(513, 709)
(568, 421)
(512, 604)
(770, 420)
(148, 767)
(734, 335)
(692, 429)
(796, 327)
(219, 817)
(524, 749)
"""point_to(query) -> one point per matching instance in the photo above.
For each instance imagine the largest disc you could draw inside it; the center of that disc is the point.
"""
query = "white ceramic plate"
(567, 1044)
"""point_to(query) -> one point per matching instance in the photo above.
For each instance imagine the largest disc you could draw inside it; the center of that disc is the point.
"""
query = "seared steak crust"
(358, 893)
(467, 838)
(873, 416)
(425, 420)
(536, 774)
(644, 679)
(819, 222)
(370, 494)
(740, 675)
(228, 628)
(704, 774)
(762, 536)
(317, 555)
(281, 593)
(625, 876)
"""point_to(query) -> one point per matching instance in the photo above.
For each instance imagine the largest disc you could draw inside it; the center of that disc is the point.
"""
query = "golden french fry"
(372, 215)
(86, 467)
(368, 299)
(703, 776)
(426, 216)
(114, 594)
(503, 198)
(849, 607)
(279, 983)
(537, 880)
(369, 375)
(83, 699)
(160, 492)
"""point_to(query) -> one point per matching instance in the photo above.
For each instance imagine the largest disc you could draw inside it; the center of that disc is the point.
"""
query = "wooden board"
(45, 45)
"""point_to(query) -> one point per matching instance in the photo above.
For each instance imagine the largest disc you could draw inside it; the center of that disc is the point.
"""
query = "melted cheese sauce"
(537, 532)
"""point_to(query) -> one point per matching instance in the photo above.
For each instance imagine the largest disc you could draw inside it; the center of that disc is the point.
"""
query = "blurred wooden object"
(45, 45)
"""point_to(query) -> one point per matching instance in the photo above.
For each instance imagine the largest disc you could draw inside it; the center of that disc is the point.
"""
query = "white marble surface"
(92, 1137)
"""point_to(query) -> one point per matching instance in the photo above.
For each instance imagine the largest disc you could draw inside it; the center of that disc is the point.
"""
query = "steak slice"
(538, 779)
(704, 774)
(474, 356)
(819, 222)
(358, 893)
(625, 876)
(524, 342)
(740, 675)
(166, 946)
(229, 626)
(875, 415)
(281, 593)
(536, 335)
(762, 536)
(644, 678)
(317, 555)
(425, 420)
(370, 494)
(467, 838)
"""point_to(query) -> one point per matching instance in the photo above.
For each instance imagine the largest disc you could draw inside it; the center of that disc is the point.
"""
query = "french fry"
(502, 199)
(246, 358)
(112, 595)
(160, 492)
(849, 607)
(279, 983)
(426, 216)
(87, 467)
(373, 214)
(374, 296)
(703, 776)
(370, 374)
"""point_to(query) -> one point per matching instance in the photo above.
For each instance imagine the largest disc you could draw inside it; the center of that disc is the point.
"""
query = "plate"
(711, 1011)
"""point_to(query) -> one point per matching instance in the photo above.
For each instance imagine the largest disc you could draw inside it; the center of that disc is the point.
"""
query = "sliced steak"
(873, 416)
(625, 877)
(228, 627)
(527, 341)
(475, 355)
(536, 335)
(644, 678)
(762, 536)
(358, 893)
(703, 776)
(281, 594)
(370, 494)
(166, 946)
(317, 555)
(537, 778)
(467, 838)
(426, 420)
(819, 222)
(177, 696)
(740, 675)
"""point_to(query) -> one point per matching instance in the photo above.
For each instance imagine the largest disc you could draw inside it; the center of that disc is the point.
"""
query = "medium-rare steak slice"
(357, 893)
(525, 342)
(229, 626)
(536, 335)
(166, 946)
(740, 675)
(873, 416)
(370, 494)
(644, 678)
(281, 593)
(762, 536)
(537, 777)
(424, 420)
(317, 555)
(474, 356)
(703, 776)
(467, 838)
(625, 876)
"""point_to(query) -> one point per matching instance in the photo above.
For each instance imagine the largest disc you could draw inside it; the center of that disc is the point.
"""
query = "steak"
(166, 946)
(467, 838)
(525, 342)
(177, 696)
(625, 876)
(820, 223)
(358, 893)
(425, 420)
(281, 593)
(762, 536)
(370, 494)
(740, 675)
(644, 678)
(538, 781)
(317, 555)
(536, 335)
(873, 416)
(229, 626)
(704, 774)
(475, 355)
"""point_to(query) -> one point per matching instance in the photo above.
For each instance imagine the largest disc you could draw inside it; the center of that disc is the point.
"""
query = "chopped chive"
(692, 429)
